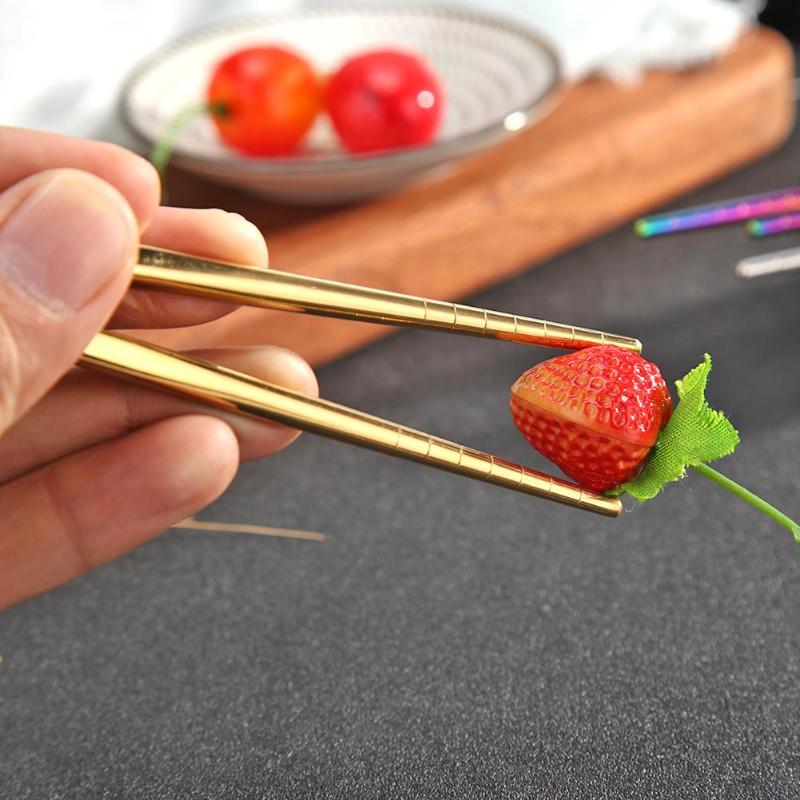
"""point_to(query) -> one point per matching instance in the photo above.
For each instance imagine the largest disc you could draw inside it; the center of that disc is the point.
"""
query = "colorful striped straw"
(724, 212)
(771, 225)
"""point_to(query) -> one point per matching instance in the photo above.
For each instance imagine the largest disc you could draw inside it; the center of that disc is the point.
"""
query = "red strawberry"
(595, 412)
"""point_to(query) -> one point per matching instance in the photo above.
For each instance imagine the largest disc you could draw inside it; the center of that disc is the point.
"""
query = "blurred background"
(62, 65)
(783, 15)
(637, 81)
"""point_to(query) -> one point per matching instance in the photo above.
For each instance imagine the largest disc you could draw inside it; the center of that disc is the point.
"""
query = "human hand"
(91, 467)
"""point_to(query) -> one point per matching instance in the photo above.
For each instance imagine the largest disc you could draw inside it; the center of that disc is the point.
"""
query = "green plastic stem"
(753, 499)
(162, 149)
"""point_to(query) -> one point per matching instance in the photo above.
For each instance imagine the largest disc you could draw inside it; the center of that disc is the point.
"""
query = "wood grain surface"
(603, 155)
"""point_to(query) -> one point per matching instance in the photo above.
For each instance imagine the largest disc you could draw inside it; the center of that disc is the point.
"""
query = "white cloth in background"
(62, 64)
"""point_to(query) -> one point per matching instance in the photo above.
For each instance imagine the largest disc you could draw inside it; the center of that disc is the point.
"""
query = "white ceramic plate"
(497, 76)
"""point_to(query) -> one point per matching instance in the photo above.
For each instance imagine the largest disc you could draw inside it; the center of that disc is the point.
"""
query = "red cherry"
(384, 100)
(264, 100)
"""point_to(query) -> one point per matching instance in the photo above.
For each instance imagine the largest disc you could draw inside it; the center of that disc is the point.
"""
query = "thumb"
(67, 247)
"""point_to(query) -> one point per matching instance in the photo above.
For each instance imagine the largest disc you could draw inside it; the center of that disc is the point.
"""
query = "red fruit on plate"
(383, 100)
(263, 100)
(595, 413)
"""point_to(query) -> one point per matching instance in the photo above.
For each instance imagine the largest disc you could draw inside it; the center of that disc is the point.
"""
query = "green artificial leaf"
(695, 434)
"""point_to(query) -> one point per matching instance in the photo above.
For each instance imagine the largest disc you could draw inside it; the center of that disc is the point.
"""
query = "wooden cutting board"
(605, 154)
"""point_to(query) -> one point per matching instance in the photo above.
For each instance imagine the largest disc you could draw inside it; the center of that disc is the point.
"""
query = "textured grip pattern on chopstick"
(453, 457)
(292, 292)
(515, 328)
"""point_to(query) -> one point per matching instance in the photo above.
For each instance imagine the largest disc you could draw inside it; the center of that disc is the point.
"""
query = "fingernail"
(66, 239)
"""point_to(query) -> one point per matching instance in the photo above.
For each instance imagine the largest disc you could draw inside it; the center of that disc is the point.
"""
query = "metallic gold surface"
(176, 272)
(243, 394)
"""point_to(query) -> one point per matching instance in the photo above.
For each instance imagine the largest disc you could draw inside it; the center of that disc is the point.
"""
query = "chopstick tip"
(755, 227)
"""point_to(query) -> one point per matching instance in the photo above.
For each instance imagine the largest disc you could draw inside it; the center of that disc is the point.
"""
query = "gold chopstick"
(267, 288)
(244, 394)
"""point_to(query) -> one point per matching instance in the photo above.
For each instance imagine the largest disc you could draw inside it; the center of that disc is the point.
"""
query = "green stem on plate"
(753, 499)
(162, 149)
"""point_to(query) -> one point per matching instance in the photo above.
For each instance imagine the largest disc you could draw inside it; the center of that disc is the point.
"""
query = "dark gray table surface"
(450, 639)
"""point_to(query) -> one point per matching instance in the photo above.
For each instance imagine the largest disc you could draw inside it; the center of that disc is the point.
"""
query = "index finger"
(207, 233)
(26, 152)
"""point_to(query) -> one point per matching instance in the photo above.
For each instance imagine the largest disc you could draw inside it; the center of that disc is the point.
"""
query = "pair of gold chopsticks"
(237, 392)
